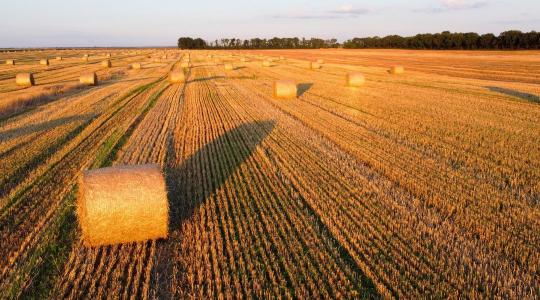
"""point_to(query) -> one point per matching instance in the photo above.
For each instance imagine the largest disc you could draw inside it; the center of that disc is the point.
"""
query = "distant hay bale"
(185, 64)
(156, 60)
(24, 79)
(44, 62)
(355, 79)
(136, 66)
(229, 67)
(177, 76)
(106, 63)
(88, 78)
(266, 63)
(315, 65)
(108, 55)
(59, 58)
(285, 89)
(122, 204)
(10, 62)
(397, 70)
(244, 59)
(281, 58)
(164, 57)
(85, 58)
(320, 61)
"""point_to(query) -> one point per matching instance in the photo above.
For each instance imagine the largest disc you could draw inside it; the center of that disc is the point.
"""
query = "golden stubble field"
(422, 184)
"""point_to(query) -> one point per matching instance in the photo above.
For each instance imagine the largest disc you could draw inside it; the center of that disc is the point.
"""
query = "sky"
(103, 23)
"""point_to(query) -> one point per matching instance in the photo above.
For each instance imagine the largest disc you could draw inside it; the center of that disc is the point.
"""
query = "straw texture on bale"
(355, 79)
(44, 62)
(89, 78)
(122, 204)
(136, 66)
(177, 77)
(285, 89)
(106, 63)
(10, 62)
(315, 65)
(397, 70)
(229, 67)
(24, 79)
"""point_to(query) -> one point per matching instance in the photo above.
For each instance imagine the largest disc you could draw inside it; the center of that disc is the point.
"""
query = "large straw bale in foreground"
(44, 62)
(355, 79)
(285, 89)
(177, 77)
(122, 204)
(397, 70)
(24, 79)
(89, 78)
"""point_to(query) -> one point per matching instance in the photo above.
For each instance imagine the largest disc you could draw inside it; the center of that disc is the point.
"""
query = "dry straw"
(10, 62)
(106, 63)
(185, 65)
(266, 63)
(108, 55)
(355, 79)
(315, 65)
(123, 204)
(285, 89)
(229, 67)
(44, 62)
(177, 76)
(320, 61)
(59, 58)
(243, 59)
(89, 78)
(136, 66)
(24, 79)
(397, 70)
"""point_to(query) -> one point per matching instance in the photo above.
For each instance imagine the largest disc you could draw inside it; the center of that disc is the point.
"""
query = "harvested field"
(426, 183)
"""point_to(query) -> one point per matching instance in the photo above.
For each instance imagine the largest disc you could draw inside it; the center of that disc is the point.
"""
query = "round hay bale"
(122, 204)
(285, 89)
(281, 58)
(229, 67)
(320, 61)
(136, 66)
(59, 58)
(185, 65)
(108, 55)
(106, 63)
(243, 59)
(397, 70)
(88, 78)
(266, 63)
(10, 62)
(355, 79)
(177, 76)
(44, 62)
(24, 79)
(315, 65)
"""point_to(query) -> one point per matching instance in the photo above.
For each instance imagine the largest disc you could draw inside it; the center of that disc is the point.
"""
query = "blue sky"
(39, 23)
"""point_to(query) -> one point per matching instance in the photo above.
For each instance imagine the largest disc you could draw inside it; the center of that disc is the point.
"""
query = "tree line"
(508, 40)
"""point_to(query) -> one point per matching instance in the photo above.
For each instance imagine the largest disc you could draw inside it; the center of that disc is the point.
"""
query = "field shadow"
(514, 93)
(303, 87)
(185, 183)
(14, 133)
(192, 183)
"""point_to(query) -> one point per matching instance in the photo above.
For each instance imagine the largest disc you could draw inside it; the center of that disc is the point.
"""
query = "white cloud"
(462, 4)
(344, 11)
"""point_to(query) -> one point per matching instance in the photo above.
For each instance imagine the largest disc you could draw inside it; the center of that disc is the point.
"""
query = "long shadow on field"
(207, 78)
(190, 185)
(204, 172)
(514, 93)
(6, 135)
(303, 87)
